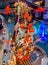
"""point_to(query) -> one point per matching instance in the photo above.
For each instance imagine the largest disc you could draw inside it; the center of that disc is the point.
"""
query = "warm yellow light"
(38, 3)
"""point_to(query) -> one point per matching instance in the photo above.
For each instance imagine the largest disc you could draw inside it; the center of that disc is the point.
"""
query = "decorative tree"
(22, 40)
(23, 37)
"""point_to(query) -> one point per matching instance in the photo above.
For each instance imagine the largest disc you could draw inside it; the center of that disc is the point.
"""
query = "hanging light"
(43, 33)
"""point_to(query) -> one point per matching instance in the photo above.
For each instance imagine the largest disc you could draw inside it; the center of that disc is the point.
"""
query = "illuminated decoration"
(40, 9)
(23, 10)
(21, 43)
(35, 29)
(7, 10)
(38, 3)
(25, 41)
(23, 38)
(43, 32)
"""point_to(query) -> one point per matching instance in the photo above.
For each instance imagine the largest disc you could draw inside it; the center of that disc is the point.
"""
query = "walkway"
(4, 36)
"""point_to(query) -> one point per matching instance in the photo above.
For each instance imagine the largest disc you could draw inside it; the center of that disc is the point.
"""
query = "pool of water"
(43, 46)
(10, 27)
(34, 56)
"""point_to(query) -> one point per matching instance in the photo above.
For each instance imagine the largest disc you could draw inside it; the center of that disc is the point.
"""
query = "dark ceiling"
(10, 0)
(17, 0)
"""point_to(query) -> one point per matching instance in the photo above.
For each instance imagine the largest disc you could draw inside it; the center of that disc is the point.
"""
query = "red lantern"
(40, 9)
(7, 10)
(26, 15)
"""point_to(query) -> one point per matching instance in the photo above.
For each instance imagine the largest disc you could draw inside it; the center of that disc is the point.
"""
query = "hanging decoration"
(23, 37)
(7, 10)
(40, 9)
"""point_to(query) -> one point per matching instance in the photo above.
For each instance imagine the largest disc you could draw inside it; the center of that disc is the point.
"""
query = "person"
(9, 19)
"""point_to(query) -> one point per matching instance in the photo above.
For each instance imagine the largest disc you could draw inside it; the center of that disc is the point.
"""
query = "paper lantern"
(7, 10)
(29, 18)
(26, 15)
(40, 9)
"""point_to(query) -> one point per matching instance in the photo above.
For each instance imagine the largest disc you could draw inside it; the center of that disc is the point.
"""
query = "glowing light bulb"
(42, 34)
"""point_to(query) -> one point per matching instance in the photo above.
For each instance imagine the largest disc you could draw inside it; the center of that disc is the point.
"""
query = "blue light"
(35, 28)
(43, 33)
